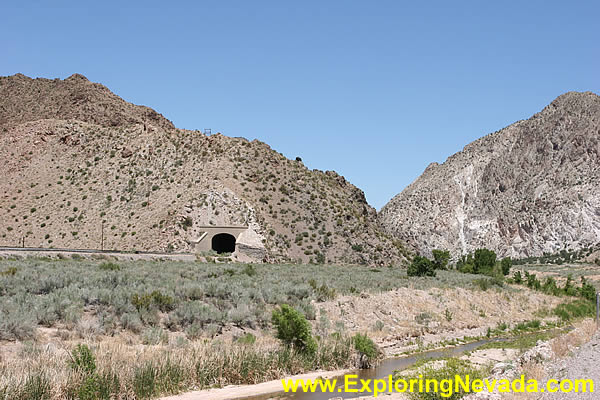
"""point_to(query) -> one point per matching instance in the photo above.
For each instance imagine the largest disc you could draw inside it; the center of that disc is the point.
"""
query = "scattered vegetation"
(450, 368)
(185, 297)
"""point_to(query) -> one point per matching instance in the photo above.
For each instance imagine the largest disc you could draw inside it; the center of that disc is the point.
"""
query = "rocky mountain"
(530, 188)
(79, 163)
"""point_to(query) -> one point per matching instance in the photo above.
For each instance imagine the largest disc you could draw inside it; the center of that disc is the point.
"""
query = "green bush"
(249, 270)
(83, 360)
(293, 329)
(109, 266)
(577, 309)
(36, 387)
(421, 266)
(517, 277)
(587, 291)
(506, 264)
(484, 261)
(97, 387)
(146, 301)
(452, 367)
(365, 346)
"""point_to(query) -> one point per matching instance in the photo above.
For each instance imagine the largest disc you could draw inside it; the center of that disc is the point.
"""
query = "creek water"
(381, 371)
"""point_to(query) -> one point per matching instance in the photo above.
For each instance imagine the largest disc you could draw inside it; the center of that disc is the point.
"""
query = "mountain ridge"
(78, 158)
(471, 199)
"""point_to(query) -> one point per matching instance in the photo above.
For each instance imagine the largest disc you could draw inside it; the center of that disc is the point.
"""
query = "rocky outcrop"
(527, 189)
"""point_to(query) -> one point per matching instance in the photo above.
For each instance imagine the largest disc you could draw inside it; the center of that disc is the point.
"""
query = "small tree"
(440, 259)
(484, 260)
(506, 264)
(420, 266)
(293, 329)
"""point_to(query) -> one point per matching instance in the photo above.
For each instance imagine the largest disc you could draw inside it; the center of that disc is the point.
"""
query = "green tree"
(440, 259)
(466, 264)
(420, 266)
(484, 261)
(293, 329)
(506, 264)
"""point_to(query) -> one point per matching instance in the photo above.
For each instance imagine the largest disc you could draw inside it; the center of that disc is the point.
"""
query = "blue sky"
(375, 90)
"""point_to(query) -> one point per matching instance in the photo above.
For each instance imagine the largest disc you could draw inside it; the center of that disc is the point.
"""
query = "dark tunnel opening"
(223, 243)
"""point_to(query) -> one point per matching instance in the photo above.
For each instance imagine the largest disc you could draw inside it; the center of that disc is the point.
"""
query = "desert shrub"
(155, 335)
(517, 277)
(249, 270)
(196, 312)
(109, 266)
(587, 291)
(131, 321)
(532, 281)
(187, 223)
(483, 283)
(550, 287)
(323, 292)
(293, 329)
(420, 266)
(569, 288)
(10, 271)
(161, 301)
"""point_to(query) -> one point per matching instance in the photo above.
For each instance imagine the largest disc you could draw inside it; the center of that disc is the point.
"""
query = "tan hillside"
(75, 156)
(528, 189)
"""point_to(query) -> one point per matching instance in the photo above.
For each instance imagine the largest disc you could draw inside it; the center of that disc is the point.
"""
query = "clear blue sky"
(375, 90)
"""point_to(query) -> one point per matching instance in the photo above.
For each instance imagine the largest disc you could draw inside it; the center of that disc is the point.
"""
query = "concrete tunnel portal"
(221, 239)
(223, 243)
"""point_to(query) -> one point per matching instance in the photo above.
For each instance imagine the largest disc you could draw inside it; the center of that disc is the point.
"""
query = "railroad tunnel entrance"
(223, 243)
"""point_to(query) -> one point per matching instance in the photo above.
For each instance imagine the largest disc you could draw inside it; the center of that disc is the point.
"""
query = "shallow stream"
(381, 371)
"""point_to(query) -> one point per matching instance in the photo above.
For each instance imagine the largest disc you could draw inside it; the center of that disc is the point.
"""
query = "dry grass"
(147, 371)
(408, 312)
(563, 345)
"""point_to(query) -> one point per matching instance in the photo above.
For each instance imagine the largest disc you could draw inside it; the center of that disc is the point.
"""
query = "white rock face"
(530, 188)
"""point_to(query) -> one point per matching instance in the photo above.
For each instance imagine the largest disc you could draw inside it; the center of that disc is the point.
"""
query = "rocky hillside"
(77, 159)
(530, 188)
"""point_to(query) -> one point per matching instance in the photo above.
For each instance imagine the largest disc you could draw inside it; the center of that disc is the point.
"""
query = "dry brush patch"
(436, 313)
(124, 370)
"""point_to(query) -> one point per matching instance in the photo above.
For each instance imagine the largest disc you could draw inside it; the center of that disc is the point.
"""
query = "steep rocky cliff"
(530, 188)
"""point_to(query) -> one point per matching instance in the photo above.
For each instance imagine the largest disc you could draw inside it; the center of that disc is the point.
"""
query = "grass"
(521, 342)
(450, 368)
(109, 372)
